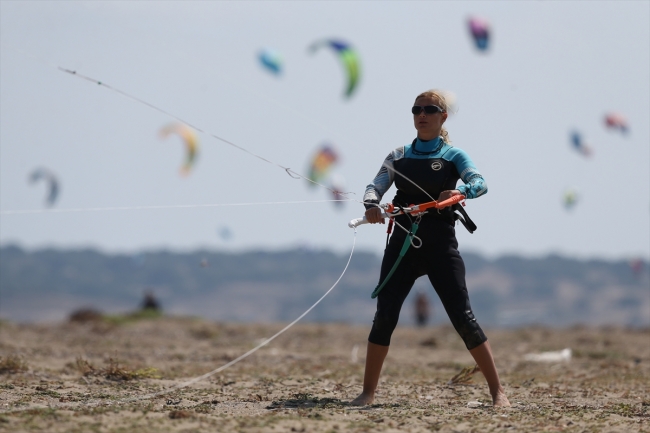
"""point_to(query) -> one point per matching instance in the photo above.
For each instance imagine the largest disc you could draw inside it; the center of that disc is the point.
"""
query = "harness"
(459, 215)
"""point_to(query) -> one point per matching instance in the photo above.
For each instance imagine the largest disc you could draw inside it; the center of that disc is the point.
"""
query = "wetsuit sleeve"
(381, 183)
(474, 183)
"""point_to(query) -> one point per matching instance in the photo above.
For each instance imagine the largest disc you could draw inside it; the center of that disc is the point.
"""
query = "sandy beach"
(96, 376)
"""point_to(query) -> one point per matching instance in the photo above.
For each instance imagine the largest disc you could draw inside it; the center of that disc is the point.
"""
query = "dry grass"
(113, 371)
(12, 364)
(465, 376)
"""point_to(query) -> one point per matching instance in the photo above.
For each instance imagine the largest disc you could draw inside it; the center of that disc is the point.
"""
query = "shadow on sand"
(308, 401)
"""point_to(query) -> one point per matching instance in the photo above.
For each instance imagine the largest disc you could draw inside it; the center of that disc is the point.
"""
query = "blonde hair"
(438, 95)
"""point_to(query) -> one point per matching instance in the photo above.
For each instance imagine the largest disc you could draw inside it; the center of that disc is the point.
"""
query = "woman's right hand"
(373, 215)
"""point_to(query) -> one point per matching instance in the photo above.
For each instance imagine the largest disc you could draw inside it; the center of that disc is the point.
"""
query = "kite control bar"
(391, 212)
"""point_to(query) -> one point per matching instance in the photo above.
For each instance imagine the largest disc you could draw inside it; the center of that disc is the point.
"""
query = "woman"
(427, 168)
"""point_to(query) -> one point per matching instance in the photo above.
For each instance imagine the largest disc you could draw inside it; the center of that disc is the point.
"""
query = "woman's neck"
(427, 137)
(432, 140)
(427, 146)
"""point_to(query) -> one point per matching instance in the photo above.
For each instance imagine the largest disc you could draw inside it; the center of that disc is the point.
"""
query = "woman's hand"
(448, 194)
(373, 215)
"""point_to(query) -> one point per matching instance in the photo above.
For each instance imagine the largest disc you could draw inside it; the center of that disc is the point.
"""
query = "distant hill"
(48, 284)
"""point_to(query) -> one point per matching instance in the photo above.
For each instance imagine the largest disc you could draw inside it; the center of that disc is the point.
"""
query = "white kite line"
(179, 206)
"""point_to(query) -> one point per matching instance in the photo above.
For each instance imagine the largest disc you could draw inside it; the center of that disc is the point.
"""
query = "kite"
(53, 183)
(349, 58)
(480, 31)
(569, 198)
(337, 185)
(271, 61)
(578, 142)
(191, 142)
(224, 233)
(322, 162)
(616, 121)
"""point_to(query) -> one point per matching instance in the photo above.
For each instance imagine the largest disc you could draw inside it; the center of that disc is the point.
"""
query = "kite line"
(179, 206)
(223, 367)
(289, 171)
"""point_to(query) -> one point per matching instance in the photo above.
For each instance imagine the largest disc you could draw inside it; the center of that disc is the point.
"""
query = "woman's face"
(428, 125)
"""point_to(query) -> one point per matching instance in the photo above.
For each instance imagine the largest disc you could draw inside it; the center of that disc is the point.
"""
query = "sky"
(552, 67)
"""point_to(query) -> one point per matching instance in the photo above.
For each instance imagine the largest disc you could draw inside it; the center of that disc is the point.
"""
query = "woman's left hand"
(448, 194)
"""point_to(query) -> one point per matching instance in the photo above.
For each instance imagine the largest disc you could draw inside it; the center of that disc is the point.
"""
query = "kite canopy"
(579, 144)
(569, 198)
(480, 31)
(189, 138)
(224, 233)
(616, 121)
(52, 181)
(348, 57)
(337, 184)
(322, 162)
(271, 61)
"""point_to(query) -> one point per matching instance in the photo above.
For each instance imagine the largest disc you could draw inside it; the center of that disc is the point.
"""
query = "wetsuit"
(434, 166)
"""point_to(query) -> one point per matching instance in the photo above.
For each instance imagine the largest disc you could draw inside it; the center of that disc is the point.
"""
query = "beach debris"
(526, 383)
(474, 404)
(12, 364)
(180, 414)
(464, 377)
(557, 356)
(429, 342)
(84, 315)
(354, 358)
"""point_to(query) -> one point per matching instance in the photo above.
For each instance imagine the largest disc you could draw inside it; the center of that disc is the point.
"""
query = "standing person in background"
(421, 309)
(428, 167)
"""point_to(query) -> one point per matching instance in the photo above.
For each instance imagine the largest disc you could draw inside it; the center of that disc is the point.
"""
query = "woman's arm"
(380, 184)
(474, 183)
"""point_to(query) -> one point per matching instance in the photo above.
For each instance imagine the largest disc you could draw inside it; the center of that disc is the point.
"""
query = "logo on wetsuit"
(436, 166)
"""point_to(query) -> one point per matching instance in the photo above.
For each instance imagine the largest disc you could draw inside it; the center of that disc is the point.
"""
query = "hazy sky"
(552, 67)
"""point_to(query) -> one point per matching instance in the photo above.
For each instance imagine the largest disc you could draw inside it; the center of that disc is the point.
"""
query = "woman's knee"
(469, 330)
(382, 328)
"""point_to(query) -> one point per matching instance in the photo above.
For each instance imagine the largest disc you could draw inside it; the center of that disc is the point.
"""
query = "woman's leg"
(375, 356)
(483, 356)
(389, 304)
(447, 275)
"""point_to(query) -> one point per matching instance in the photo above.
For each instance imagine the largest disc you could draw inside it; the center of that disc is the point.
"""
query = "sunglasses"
(428, 109)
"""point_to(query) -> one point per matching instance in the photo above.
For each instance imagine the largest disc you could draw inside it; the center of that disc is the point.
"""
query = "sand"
(79, 377)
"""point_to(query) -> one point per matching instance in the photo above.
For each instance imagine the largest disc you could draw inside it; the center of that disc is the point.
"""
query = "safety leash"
(407, 243)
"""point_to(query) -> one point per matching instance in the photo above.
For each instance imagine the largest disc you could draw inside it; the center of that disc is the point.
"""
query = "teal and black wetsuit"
(434, 166)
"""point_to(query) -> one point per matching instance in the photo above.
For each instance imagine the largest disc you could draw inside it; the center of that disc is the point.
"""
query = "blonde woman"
(427, 168)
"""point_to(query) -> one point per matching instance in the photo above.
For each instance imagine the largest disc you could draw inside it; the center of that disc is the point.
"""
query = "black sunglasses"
(428, 109)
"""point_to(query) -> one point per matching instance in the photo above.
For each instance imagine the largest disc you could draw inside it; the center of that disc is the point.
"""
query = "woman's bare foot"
(364, 399)
(500, 399)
